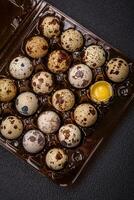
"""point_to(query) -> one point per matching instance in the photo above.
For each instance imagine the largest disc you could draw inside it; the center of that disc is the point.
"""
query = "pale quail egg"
(48, 122)
(21, 67)
(42, 83)
(8, 89)
(27, 103)
(50, 26)
(117, 70)
(33, 141)
(72, 40)
(85, 115)
(80, 76)
(63, 100)
(56, 159)
(94, 56)
(11, 127)
(69, 135)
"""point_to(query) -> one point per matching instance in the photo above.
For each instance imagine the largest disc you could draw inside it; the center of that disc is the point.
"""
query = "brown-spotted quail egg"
(72, 40)
(21, 67)
(56, 159)
(50, 26)
(48, 122)
(80, 76)
(63, 100)
(59, 61)
(36, 47)
(33, 141)
(117, 69)
(42, 83)
(69, 135)
(8, 89)
(85, 115)
(11, 127)
(27, 103)
(94, 56)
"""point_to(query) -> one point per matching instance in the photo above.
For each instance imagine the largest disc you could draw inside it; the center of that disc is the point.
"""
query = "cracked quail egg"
(8, 89)
(27, 103)
(48, 122)
(101, 92)
(56, 159)
(20, 67)
(85, 115)
(33, 141)
(11, 127)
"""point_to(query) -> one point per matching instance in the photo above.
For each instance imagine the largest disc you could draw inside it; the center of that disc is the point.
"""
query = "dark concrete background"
(110, 176)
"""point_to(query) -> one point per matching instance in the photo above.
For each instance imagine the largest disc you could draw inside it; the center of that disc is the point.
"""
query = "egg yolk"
(101, 91)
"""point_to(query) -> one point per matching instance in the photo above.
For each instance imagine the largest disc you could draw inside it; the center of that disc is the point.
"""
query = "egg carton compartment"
(14, 13)
(108, 112)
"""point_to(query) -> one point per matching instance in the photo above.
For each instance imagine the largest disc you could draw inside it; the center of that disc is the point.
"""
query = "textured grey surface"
(110, 176)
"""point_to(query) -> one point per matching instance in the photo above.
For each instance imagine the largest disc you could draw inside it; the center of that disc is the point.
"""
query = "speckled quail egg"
(48, 122)
(94, 56)
(42, 82)
(69, 135)
(59, 61)
(117, 69)
(8, 89)
(33, 141)
(50, 26)
(63, 100)
(36, 47)
(80, 76)
(21, 67)
(72, 40)
(56, 159)
(85, 115)
(27, 103)
(11, 127)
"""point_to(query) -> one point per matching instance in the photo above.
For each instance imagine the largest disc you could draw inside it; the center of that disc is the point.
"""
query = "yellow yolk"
(101, 91)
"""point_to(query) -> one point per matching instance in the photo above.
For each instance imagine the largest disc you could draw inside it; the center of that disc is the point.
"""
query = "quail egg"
(42, 83)
(94, 56)
(80, 76)
(117, 70)
(101, 92)
(63, 100)
(11, 127)
(59, 61)
(33, 141)
(8, 89)
(85, 115)
(36, 47)
(56, 159)
(50, 26)
(72, 40)
(69, 135)
(21, 67)
(48, 122)
(27, 103)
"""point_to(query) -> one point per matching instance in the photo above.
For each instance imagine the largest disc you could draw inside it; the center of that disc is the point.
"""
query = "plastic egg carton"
(108, 113)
